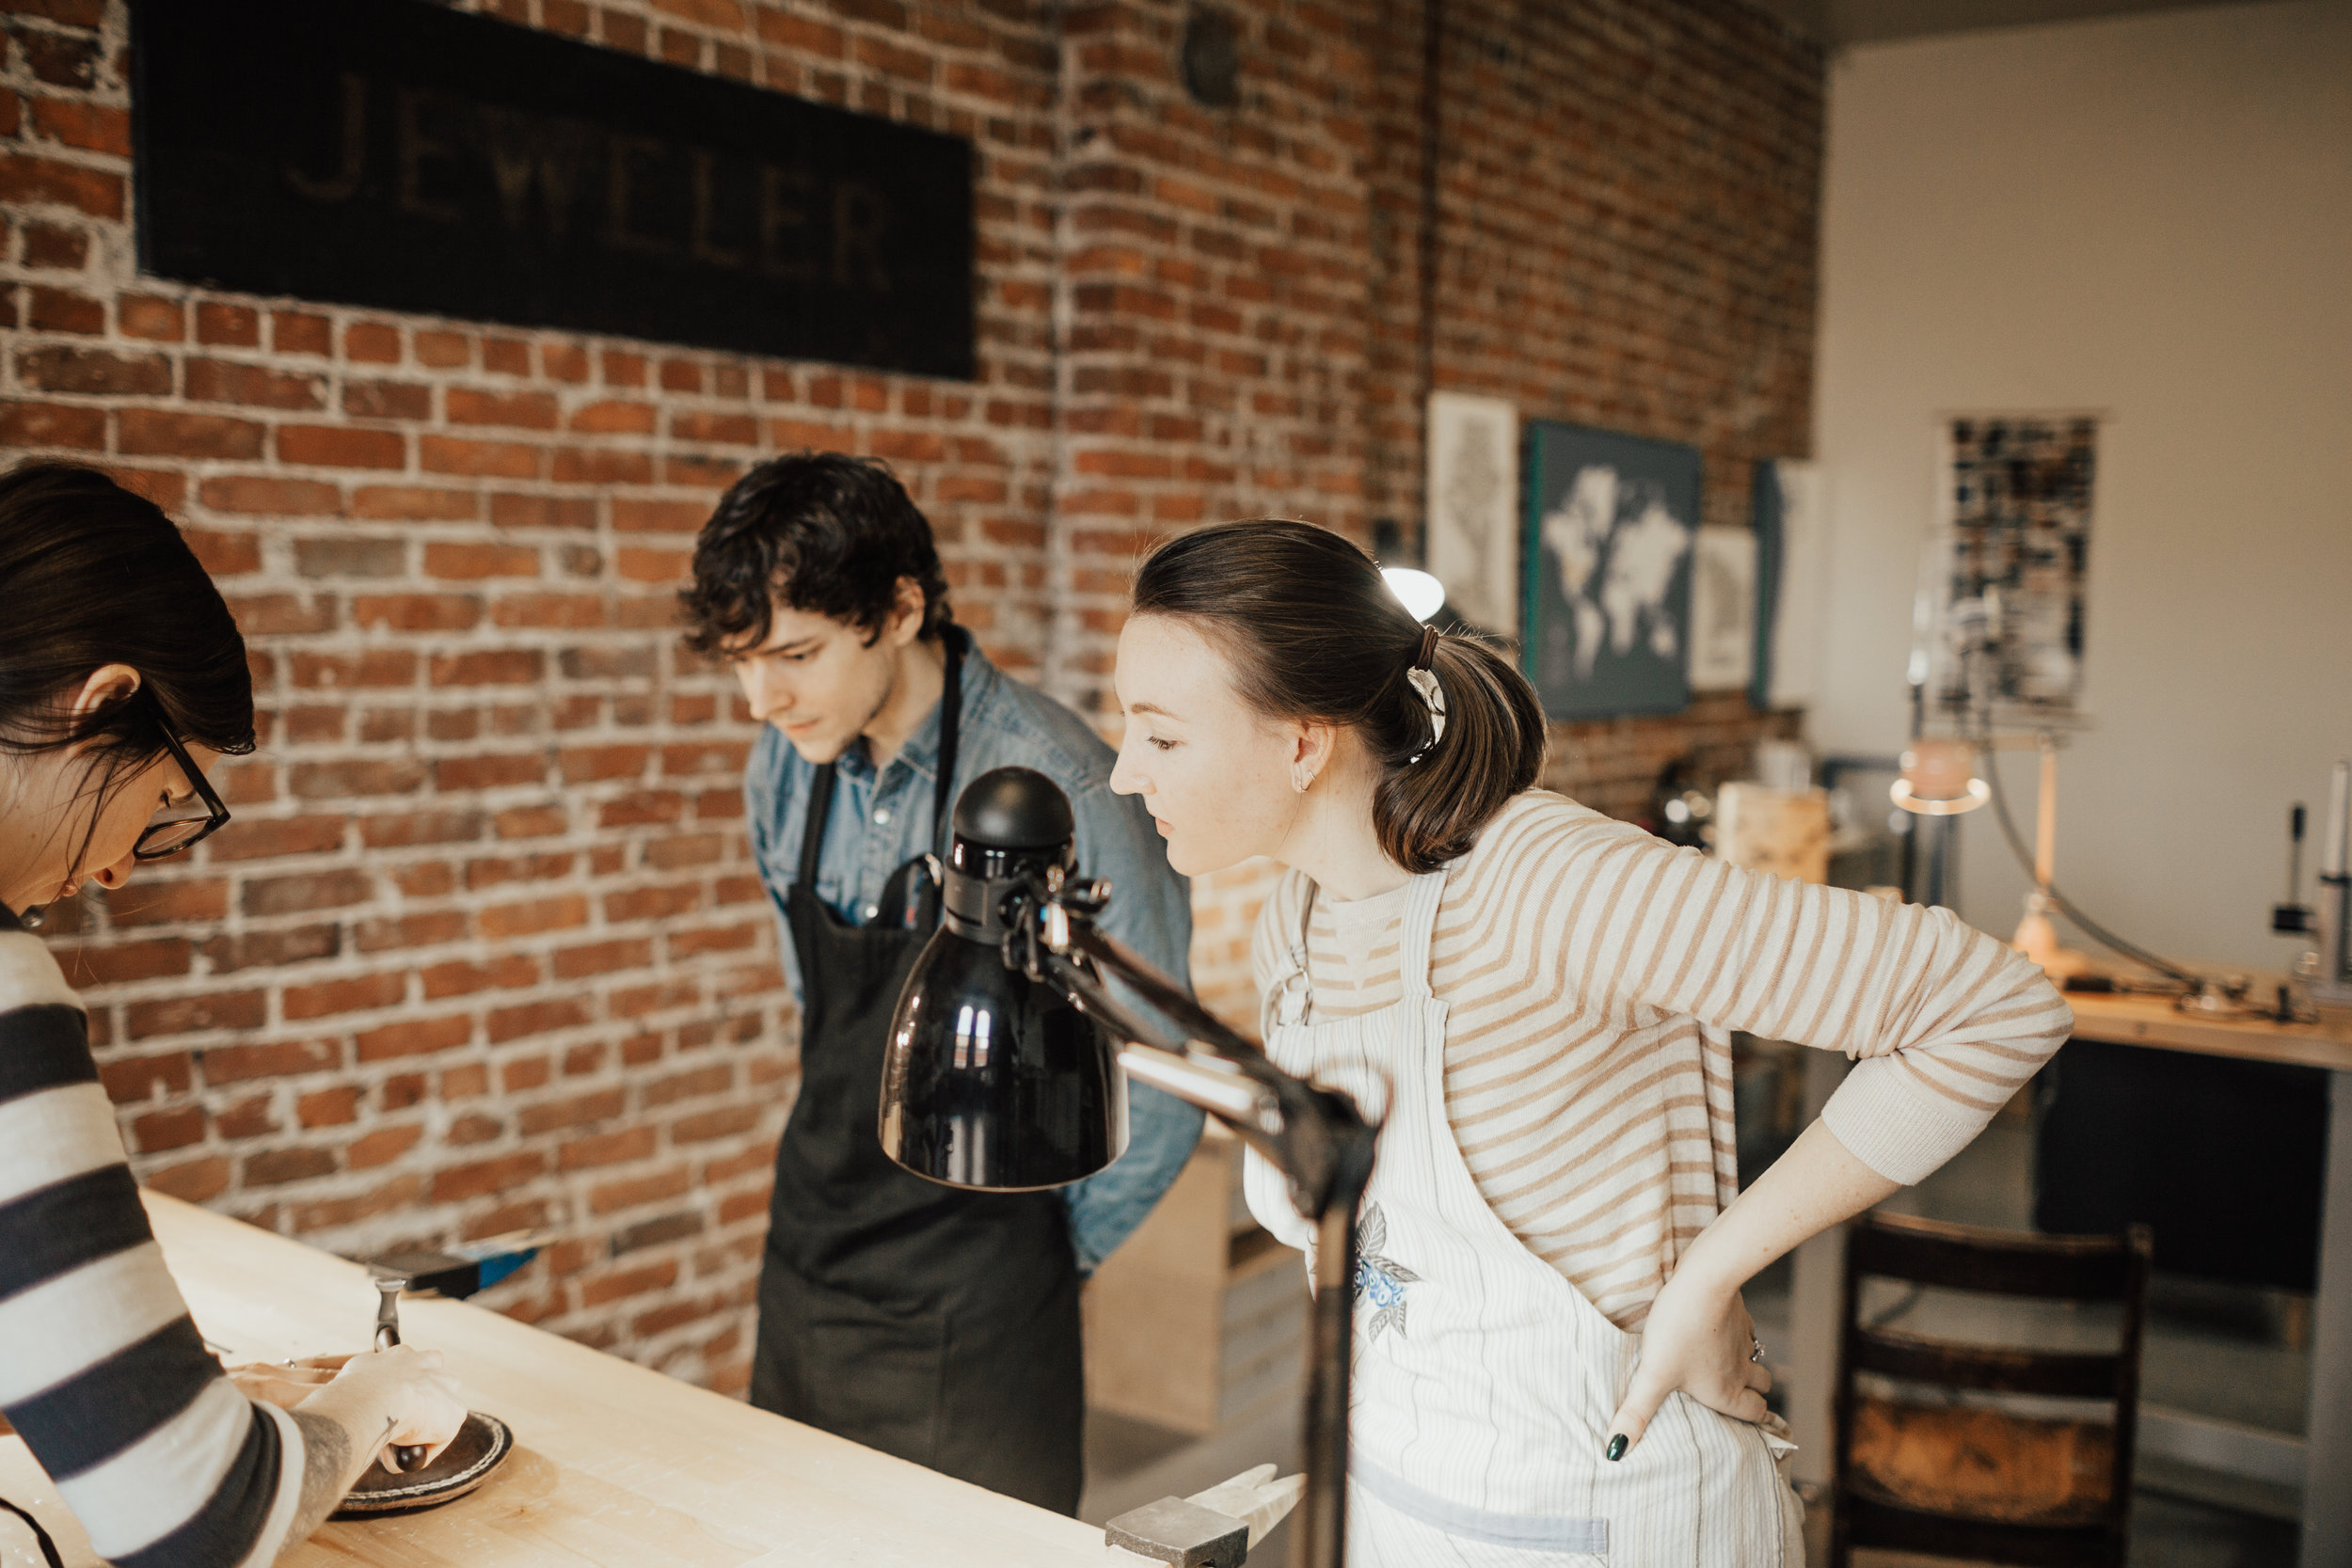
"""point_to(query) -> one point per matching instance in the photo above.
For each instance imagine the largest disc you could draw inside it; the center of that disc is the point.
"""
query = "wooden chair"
(1975, 1482)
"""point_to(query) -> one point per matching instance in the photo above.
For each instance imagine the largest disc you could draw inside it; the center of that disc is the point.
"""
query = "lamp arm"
(1314, 1136)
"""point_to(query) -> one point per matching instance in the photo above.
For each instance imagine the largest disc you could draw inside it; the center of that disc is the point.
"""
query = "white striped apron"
(1483, 1380)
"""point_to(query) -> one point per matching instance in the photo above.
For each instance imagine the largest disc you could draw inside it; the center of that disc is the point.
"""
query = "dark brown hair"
(92, 574)
(1314, 632)
(817, 530)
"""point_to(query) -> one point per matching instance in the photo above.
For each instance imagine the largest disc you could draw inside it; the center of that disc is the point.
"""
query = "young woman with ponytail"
(122, 677)
(1552, 1360)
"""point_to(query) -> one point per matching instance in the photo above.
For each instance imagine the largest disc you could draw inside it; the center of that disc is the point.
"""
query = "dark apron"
(935, 1323)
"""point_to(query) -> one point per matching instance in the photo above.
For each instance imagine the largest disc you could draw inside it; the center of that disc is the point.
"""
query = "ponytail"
(1314, 632)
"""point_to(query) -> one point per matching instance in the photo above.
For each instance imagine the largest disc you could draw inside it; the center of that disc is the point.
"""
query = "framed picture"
(1790, 580)
(1473, 487)
(1723, 610)
(1611, 523)
(2008, 566)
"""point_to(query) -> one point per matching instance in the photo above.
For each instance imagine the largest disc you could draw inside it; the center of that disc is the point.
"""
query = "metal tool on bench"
(1208, 1529)
(401, 1480)
(401, 1457)
(2330, 979)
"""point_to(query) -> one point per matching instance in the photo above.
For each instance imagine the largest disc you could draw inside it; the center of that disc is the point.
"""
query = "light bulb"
(1422, 594)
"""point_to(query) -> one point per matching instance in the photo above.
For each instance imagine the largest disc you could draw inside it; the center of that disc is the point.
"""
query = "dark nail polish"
(1616, 1448)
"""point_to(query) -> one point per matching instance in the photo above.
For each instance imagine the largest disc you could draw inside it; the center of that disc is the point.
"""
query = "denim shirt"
(882, 818)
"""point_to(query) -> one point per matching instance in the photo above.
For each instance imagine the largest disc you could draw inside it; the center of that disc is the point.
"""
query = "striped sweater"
(1593, 974)
(102, 1370)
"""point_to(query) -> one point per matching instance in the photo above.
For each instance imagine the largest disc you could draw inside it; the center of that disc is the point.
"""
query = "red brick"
(524, 410)
(414, 504)
(273, 1166)
(414, 1037)
(191, 1181)
(513, 972)
(301, 332)
(416, 612)
(508, 510)
(255, 385)
(47, 424)
(94, 370)
(388, 399)
(195, 1014)
(335, 1107)
(271, 498)
(443, 350)
(174, 1128)
(219, 322)
(360, 993)
(131, 1079)
(50, 309)
(472, 563)
(259, 949)
(31, 181)
(490, 459)
(505, 667)
(120, 961)
(527, 919)
(371, 342)
(160, 432)
(158, 902)
(342, 446)
(309, 890)
(382, 1147)
(485, 1176)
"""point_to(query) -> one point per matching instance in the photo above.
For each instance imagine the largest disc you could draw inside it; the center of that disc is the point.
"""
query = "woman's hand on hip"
(1699, 1341)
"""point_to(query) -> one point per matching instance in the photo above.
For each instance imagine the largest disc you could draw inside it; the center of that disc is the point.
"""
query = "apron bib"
(937, 1325)
(1483, 1380)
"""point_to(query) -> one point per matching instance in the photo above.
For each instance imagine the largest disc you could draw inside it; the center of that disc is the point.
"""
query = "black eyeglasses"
(177, 827)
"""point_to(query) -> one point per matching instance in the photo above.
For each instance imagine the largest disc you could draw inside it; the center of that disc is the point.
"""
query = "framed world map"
(1610, 522)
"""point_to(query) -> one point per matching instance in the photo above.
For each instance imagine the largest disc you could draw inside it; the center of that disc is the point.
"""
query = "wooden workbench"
(614, 1465)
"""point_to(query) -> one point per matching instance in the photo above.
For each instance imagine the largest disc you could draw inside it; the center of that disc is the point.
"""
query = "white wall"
(2151, 217)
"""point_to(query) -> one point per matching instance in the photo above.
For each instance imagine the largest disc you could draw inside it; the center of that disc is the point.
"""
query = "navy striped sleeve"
(103, 1372)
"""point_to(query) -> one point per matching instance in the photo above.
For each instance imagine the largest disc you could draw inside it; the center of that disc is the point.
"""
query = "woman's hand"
(392, 1398)
(287, 1383)
(1702, 1342)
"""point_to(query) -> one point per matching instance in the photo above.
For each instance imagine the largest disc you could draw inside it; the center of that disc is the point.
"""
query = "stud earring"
(1301, 779)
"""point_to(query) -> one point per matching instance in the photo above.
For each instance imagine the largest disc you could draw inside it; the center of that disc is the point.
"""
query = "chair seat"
(1973, 1462)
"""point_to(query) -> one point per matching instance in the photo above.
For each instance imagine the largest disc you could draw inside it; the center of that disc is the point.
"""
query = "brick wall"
(483, 949)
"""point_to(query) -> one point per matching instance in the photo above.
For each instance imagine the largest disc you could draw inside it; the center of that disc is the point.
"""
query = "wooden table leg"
(2328, 1479)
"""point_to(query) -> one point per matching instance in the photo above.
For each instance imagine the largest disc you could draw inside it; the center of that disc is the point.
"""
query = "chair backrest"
(1970, 1258)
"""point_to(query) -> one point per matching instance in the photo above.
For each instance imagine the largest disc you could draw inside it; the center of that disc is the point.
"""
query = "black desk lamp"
(998, 1078)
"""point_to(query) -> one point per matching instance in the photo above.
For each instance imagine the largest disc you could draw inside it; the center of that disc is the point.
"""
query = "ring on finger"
(1758, 1353)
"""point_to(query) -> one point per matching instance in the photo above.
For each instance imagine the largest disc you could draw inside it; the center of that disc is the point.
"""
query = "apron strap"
(1420, 923)
(812, 835)
(950, 723)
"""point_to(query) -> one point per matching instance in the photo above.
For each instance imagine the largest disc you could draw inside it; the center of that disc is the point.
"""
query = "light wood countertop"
(614, 1465)
(2128, 1020)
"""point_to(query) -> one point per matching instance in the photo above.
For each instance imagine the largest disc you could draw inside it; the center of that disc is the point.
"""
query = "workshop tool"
(401, 1480)
(1208, 1529)
(2331, 978)
(402, 1456)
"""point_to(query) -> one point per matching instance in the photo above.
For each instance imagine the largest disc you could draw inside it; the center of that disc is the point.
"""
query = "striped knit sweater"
(102, 1370)
(1593, 974)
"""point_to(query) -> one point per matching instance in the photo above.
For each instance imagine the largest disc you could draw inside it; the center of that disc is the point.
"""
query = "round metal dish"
(482, 1445)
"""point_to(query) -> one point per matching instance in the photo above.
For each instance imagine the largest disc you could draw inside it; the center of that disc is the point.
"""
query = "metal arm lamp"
(1004, 1061)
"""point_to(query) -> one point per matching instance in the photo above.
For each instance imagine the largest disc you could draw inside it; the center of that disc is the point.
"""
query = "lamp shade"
(990, 1080)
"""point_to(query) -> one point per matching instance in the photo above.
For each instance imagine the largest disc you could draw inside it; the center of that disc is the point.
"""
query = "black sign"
(392, 153)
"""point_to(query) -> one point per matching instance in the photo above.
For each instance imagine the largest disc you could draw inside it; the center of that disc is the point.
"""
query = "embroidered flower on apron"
(1379, 1281)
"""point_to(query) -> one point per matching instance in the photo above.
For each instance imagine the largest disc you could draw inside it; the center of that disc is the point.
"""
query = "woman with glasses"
(122, 677)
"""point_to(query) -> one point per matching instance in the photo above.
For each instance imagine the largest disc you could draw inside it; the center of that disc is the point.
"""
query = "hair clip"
(1426, 682)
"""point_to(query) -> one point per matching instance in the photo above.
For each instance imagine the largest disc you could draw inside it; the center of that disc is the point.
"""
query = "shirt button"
(881, 816)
